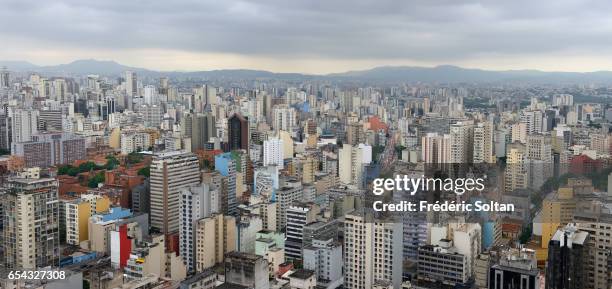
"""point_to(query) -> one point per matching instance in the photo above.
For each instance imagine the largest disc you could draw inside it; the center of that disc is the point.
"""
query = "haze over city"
(311, 36)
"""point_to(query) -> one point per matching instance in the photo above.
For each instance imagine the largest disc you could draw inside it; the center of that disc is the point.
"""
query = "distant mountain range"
(440, 74)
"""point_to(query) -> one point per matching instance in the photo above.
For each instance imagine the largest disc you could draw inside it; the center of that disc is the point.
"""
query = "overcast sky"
(312, 36)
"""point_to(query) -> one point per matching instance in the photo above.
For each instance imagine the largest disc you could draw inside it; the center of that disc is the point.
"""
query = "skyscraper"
(373, 252)
(131, 83)
(196, 202)
(273, 153)
(203, 128)
(4, 78)
(568, 253)
(24, 124)
(461, 142)
(30, 222)
(483, 143)
(170, 173)
(238, 132)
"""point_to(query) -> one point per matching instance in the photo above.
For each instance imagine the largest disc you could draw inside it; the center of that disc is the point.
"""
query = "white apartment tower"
(461, 142)
(483, 143)
(196, 202)
(373, 252)
(273, 153)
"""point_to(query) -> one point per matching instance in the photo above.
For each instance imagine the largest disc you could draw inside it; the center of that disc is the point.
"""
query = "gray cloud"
(424, 30)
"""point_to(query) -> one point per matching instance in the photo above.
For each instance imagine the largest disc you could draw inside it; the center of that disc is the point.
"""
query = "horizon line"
(2, 61)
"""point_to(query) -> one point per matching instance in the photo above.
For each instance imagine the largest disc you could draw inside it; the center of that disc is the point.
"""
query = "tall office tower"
(483, 143)
(131, 84)
(196, 202)
(299, 214)
(150, 95)
(4, 78)
(273, 153)
(227, 165)
(516, 174)
(215, 236)
(568, 252)
(539, 159)
(533, 120)
(60, 91)
(435, 148)
(373, 252)
(461, 142)
(30, 224)
(171, 172)
(210, 94)
(599, 226)
(284, 118)
(248, 270)
(24, 124)
(44, 88)
(238, 132)
(5, 131)
(164, 85)
(351, 162)
(203, 128)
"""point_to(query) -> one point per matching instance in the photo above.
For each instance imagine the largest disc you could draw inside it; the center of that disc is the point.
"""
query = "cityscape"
(300, 172)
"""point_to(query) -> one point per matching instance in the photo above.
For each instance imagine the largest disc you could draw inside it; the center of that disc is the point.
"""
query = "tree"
(98, 178)
(134, 158)
(146, 171)
(111, 162)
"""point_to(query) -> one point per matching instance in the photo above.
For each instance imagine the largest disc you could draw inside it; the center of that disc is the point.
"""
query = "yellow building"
(557, 211)
(114, 139)
(77, 216)
(215, 236)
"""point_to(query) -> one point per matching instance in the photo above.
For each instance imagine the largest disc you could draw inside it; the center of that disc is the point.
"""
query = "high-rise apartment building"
(24, 124)
(284, 118)
(131, 84)
(599, 226)
(372, 252)
(273, 153)
(196, 202)
(215, 236)
(171, 172)
(351, 163)
(30, 224)
(461, 142)
(483, 143)
(435, 148)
